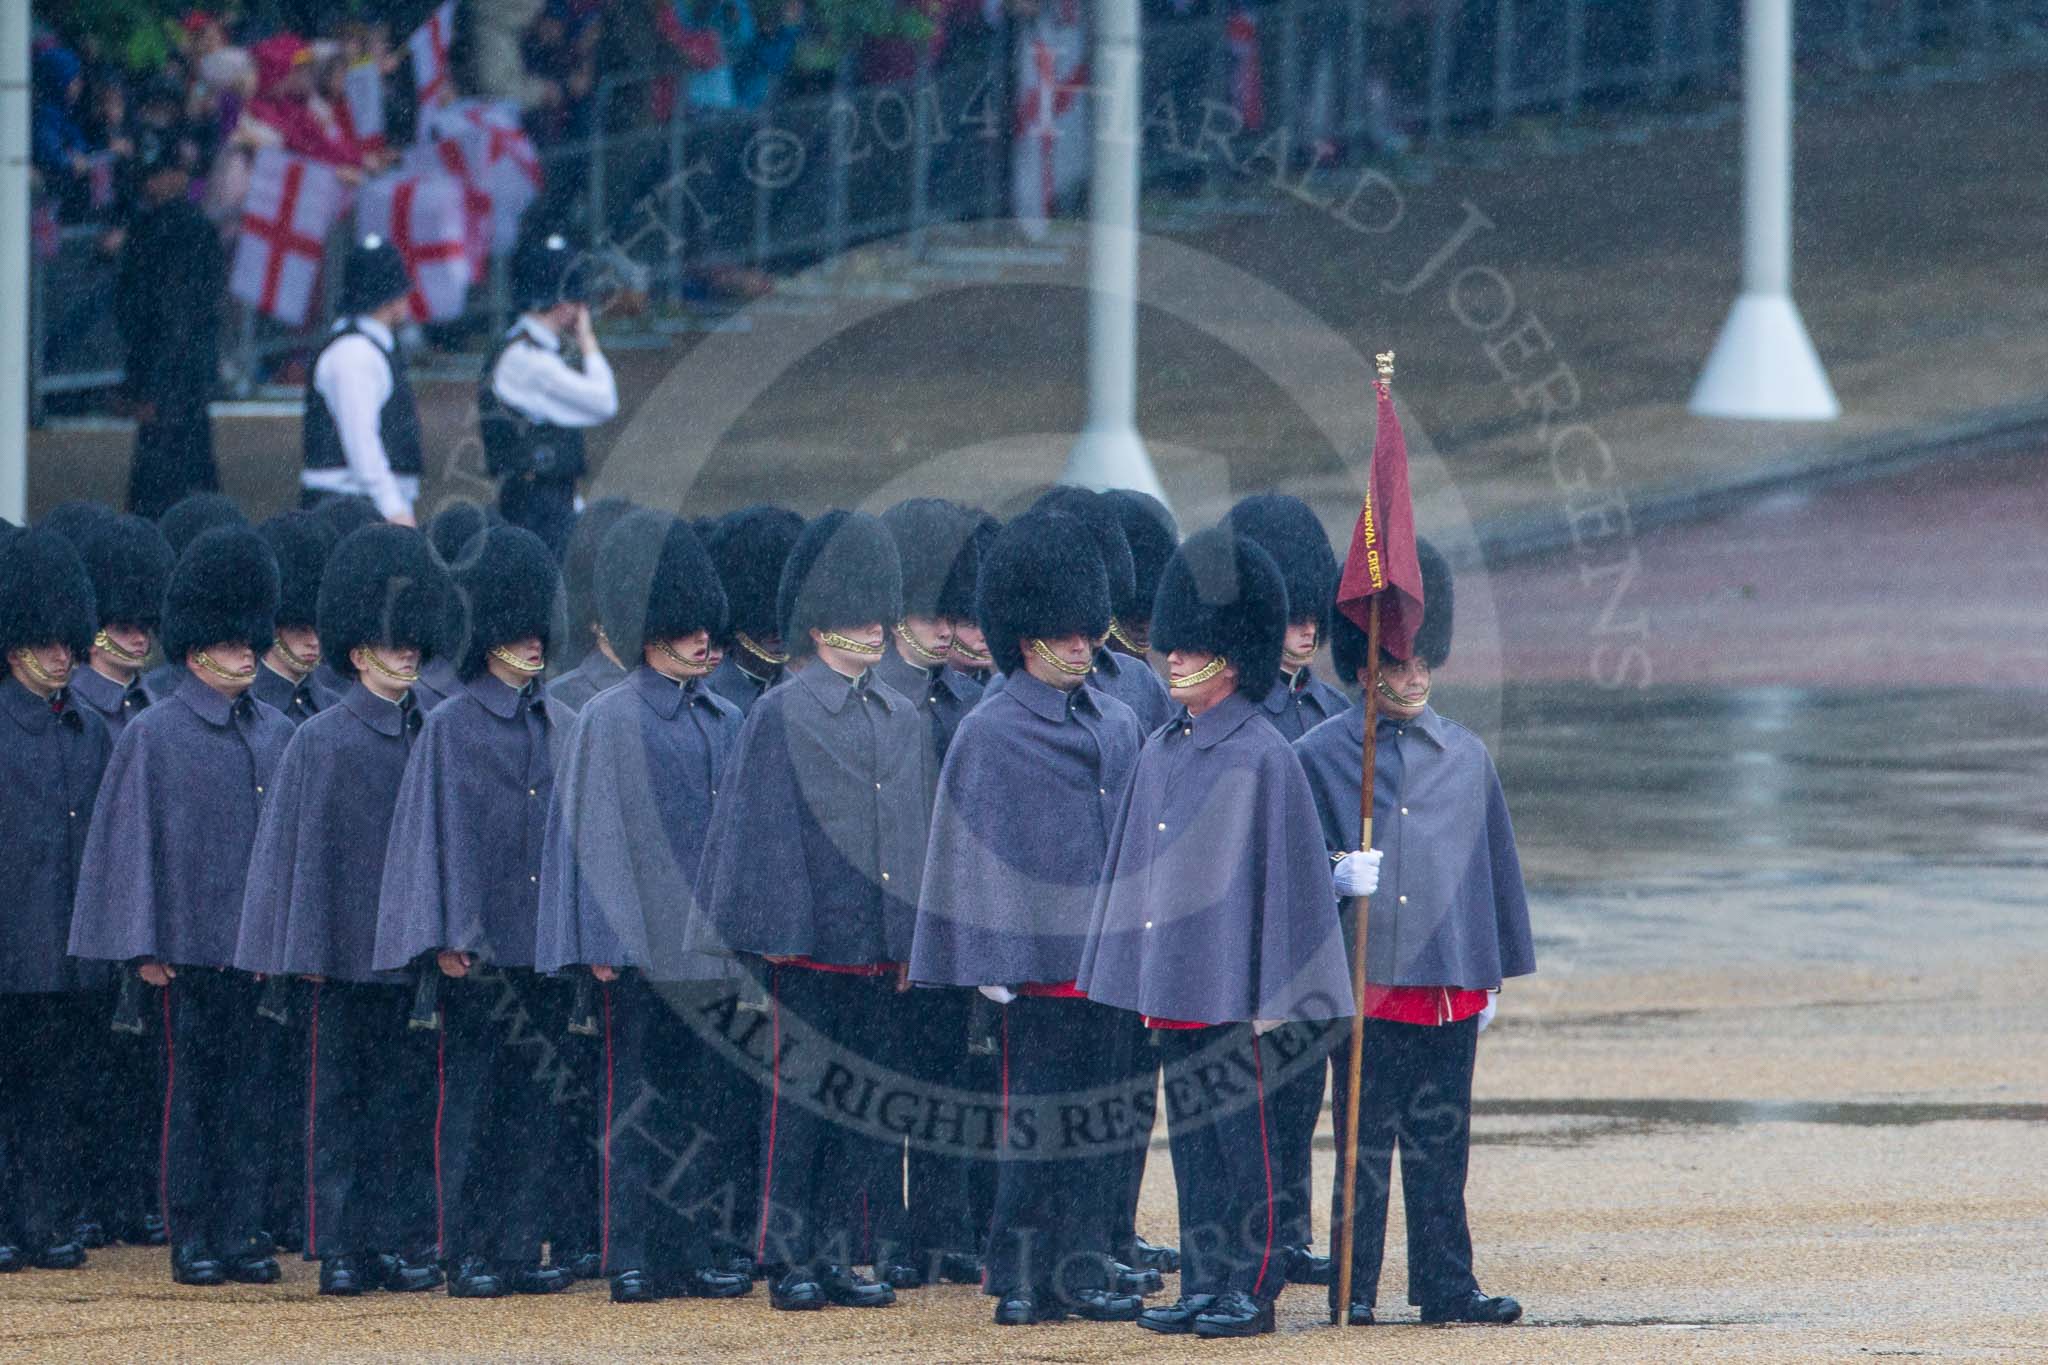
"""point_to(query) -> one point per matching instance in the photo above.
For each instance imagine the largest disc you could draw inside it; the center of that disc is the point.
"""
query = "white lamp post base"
(1764, 367)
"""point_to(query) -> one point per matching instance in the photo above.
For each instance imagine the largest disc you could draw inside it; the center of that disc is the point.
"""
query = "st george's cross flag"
(292, 202)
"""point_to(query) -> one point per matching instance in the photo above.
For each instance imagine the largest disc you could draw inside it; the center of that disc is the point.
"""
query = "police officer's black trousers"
(1219, 1128)
(1417, 1096)
(1064, 1144)
(217, 1073)
(493, 1139)
(41, 1057)
(367, 1123)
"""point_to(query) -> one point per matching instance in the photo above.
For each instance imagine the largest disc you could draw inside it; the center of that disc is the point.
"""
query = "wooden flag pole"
(1348, 1155)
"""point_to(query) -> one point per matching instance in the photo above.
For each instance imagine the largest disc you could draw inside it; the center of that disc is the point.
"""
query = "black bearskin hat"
(454, 527)
(1151, 533)
(301, 541)
(655, 582)
(77, 520)
(1093, 510)
(130, 563)
(935, 546)
(579, 576)
(1042, 579)
(1224, 594)
(1432, 642)
(383, 586)
(749, 548)
(45, 594)
(224, 588)
(346, 512)
(842, 571)
(372, 276)
(509, 582)
(183, 521)
(1290, 532)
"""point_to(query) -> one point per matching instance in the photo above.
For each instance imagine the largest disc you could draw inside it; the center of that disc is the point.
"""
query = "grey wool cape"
(627, 828)
(1216, 904)
(51, 761)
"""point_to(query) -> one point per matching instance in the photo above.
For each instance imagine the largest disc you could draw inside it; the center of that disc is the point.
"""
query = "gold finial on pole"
(1384, 361)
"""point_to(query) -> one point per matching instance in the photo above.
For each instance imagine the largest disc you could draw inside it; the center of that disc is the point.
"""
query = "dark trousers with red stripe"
(367, 1123)
(1064, 1148)
(41, 1063)
(1133, 1043)
(125, 1108)
(1417, 1097)
(1219, 1130)
(823, 1158)
(1297, 1059)
(493, 1136)
(928, 1037)
(658, 1175)
(218, 1057)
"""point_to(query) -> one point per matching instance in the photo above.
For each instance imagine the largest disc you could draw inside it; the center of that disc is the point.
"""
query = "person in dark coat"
(191, 517)
(167, 302)
(625, 839)
(1449, 923)
(129, 562)
(1152, 533)
(1008, 888)
(1289, 531)
(937, 1235)
(969, 655)
(165, 866)
(1216, 922)
(460, 891)
(310, 912)
(52, 754)
(750, 547)
(830, 774)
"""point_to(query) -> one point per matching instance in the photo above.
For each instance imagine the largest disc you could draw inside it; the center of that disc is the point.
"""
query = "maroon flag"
(1382, 560)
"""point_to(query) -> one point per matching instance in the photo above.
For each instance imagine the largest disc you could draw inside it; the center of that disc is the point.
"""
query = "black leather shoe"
(1022, 1310)
(1305, 1267)
(195, 1267)
(1178, 1317)
(63, 1256)
(1132, 1280)
(12, 1260)
(90, 1234)
(1360, 1315)
(900, 1275)
(1496, 1312)
(581, 1265)
(474, 1279)
(342, 1277)
(1236, 1314)
(849, 1289)
(1165, 1260)
(154, 1233)
(254, 1270)
(411, 1275)
(739, 1263)
(633, 1286)
(797, 1291)
(956, 1268)
(535, 1279)
(711, 1283)
(1099, 1305)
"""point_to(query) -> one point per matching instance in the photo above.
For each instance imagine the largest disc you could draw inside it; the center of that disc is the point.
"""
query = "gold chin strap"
(1201, 675)
(106, 645)
(377, 665)
(1389, 694)
(1123, 637)
(205, 661)
(299, 664)
(766, 656)
(514, 662)
(980, 658)
(909, 642)
(1294, 660)
(35, 669)
(838, 641)
(696, 668)
(1039, 648)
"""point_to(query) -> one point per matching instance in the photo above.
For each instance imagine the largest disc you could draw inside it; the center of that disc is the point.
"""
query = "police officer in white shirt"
(362, 428)
(544, 384)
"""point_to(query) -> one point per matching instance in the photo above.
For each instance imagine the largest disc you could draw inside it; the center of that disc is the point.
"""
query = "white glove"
(1486, 1015)
(1358, 874)
(1002, 995)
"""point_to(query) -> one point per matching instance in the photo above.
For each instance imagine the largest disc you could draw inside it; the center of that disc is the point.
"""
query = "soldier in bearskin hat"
(162, 890)
(310, 912)
(130, 563)
(1152, 533)
(625, 839)
(456, 534)
(1215, 920)
(592, 664)
(461, 890)
(52, 754)
(1450, 922)
(1005, 906)
(1129, 680)
(969, 654)
(301, 541)
(182, 523)
(750, 547)
(76, 519)
(831, 772)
